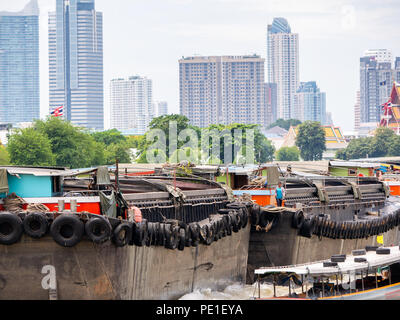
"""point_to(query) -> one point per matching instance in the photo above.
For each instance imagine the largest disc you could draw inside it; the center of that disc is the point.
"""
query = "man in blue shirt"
(279, 194)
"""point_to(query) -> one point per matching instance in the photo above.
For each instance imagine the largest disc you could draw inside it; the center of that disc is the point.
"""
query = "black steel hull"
(283, 246)
(105, 272)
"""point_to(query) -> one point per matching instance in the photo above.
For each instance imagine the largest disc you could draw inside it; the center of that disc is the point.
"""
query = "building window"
(352, 172)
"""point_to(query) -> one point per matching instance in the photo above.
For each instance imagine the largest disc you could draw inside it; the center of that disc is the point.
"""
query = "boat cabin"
(368, 274)
(45, 185)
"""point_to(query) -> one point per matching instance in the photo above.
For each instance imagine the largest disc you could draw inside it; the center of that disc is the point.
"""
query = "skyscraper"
(131, 102)
(160, 108)
(375, 85)
(222, 89)
(310, 103)
(19, 65)
(283, 64)
(397, 70)
(270, 96)
(381, 55)
(76, 62)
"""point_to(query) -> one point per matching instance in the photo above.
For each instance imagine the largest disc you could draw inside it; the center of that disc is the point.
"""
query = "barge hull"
(105, 272)
(282, 246)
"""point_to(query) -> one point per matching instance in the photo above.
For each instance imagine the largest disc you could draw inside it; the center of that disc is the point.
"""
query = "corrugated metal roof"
(353, 164)
(46, 172)
(317, 269)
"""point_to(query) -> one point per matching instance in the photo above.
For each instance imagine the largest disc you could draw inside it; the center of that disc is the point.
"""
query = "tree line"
(384, 143)
(55, 142)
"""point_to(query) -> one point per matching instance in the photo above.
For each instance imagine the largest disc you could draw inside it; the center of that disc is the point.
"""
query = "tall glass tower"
(19, 65)
(76, 62)
(283, 65)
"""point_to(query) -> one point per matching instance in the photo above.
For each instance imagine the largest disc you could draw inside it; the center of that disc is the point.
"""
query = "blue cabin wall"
(30, 186)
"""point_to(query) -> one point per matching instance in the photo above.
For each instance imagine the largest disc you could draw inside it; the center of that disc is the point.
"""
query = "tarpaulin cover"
(3, 181)
(103, 177)
(108, 205)
(272, 176)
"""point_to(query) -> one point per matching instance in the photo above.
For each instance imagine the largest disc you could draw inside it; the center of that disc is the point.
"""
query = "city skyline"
(345, 31)
(19, 65)
(76, 62)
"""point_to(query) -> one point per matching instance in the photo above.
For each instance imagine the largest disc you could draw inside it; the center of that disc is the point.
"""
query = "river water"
(238, 292)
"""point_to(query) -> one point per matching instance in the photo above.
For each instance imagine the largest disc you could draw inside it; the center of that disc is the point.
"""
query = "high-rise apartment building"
(310, 103)
(376, 79)
(131, 102)
(19, 65)
(397, 70)
(160, 108)
(283, 65)
(271, 106)
(381, 55)
(76, 62)
(222, 89)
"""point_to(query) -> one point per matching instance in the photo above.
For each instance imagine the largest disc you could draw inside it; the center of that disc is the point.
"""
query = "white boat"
(368, 274)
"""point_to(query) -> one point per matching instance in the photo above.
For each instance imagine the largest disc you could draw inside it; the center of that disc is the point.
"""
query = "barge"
(320, 215)
(81, 235)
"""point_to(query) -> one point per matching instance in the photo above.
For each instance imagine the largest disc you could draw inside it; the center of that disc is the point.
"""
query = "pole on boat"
(337, 285)
(323, 287)
(274, 282)
(175, 179)
(350, 281)
(376, 279)
(290, 289)
(116, 173)
(362, 280)
(259, 287)
(302, 283)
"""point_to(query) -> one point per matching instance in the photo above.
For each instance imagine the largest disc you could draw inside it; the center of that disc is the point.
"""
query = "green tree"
(288, 154)
(4, 156)
(285, 124)
(72, 146)
(341, 154)
(263, 150)
(29, 147)
(358, 148)
(109, 137)
(115, 146)
(311, 140)
(394, 146)
(381, 142)
(118, 151)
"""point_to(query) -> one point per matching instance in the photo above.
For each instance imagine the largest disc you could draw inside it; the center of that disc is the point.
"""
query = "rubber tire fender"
(35, 225)
(98, 224)
(234, 223)
(210, 234)
(194, 234)
(74, 223)
(307, 228)
(245, 217)
(150, 234)
(122, 234)
(182, 239)
(255, 215)
(298, 219)
(13, 222)
(171, 236)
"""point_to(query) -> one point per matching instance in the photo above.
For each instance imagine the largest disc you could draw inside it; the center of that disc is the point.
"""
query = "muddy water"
(238, 292)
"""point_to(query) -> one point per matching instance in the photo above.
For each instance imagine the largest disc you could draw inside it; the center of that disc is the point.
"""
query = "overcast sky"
(147, 37)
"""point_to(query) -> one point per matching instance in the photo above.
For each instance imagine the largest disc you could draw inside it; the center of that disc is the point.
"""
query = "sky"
(148, 37)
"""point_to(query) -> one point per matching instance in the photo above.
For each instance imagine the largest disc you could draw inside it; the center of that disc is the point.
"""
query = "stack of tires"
(68, 229)
(322, 226)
